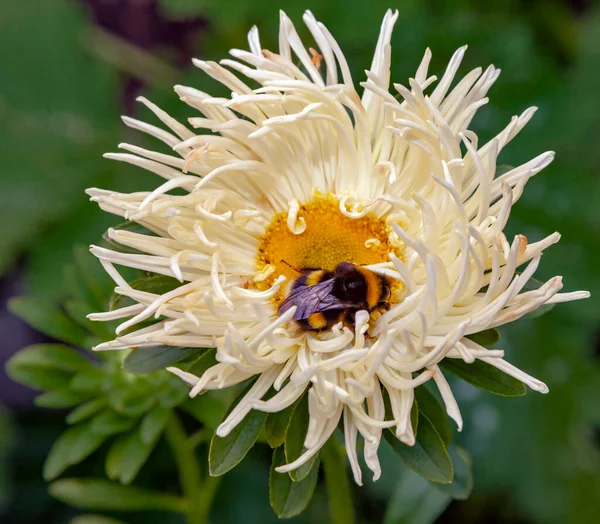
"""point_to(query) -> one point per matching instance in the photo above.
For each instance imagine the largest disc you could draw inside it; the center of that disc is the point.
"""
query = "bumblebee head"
(350, 283)
(344, 269)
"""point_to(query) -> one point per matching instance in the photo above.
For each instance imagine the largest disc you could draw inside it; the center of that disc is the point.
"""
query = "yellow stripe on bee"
(315, 277)
(317, 321)
(373, 282)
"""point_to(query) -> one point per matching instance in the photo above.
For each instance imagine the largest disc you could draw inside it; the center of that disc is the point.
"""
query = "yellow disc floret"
(328, 238)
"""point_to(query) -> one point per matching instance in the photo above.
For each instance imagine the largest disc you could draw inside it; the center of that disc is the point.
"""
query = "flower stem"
(210, 486)
(189, 472)
(199, 437)
(336, 480)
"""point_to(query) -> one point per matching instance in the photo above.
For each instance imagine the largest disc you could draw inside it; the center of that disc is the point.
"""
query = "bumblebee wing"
(312, 299)
(306, 298)
(292, 297)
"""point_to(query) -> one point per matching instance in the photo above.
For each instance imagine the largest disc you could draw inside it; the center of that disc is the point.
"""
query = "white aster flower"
(296, 169)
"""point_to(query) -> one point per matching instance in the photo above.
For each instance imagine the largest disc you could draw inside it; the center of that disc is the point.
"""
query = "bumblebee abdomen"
(322, 320)
(374, 283)
(317, 321)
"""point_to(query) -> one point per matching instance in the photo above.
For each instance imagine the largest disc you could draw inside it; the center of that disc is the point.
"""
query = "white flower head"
(296, 169)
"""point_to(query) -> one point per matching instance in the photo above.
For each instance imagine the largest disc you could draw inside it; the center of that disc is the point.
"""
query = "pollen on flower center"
(328, 238)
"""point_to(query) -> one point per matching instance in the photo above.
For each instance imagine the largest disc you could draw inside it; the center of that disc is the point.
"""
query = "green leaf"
(208, 408)
(173, 393)
(95, 519)
(96, 494)
(336, 479)
(414, 411)
(39, 378)
(48, 319)
(71, 447)
(227, 452)
(485, 338)
(114, 457)
(289, 498)
(45, 366)
(461, 486)
(84, 445)
(294, 439)
(158, 285)
(276, 425)
(78, 311)
(134, 455)
(89, 380)
(203, 362)
(135, 403)
(484, 376)
(428, 457)
(415, 501)
(433, 410)
(110, 423)
(52, 356)
(60, 398)
(147, 360)
(86, 410)
(153, 424)
(414, 417)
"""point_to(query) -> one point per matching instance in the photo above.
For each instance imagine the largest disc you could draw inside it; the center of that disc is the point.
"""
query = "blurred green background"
(71, 67)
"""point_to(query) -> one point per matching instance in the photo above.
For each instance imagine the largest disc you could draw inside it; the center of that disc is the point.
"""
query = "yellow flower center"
(328, 238)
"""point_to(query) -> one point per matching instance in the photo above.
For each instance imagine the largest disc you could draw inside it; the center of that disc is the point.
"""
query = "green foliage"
(415, 501)
(148, 360)
(157, 284)
(74, 445)
(486, 338)
(227, 452)
(203, 362)
(134, 453)
(289, 498)
(110, 423)
(432, 409)
(109, 403)
(86, 410)
(276, 425)
(337, 481)
(97, 494)
(428, 456)
(95, 519)
(209, 408)
(153, 424)
(485, 376)
(60, 398)
(49, 319)
(462, 484)
(294, 440)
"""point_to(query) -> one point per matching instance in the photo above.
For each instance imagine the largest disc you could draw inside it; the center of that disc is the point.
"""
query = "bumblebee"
(324, 298)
